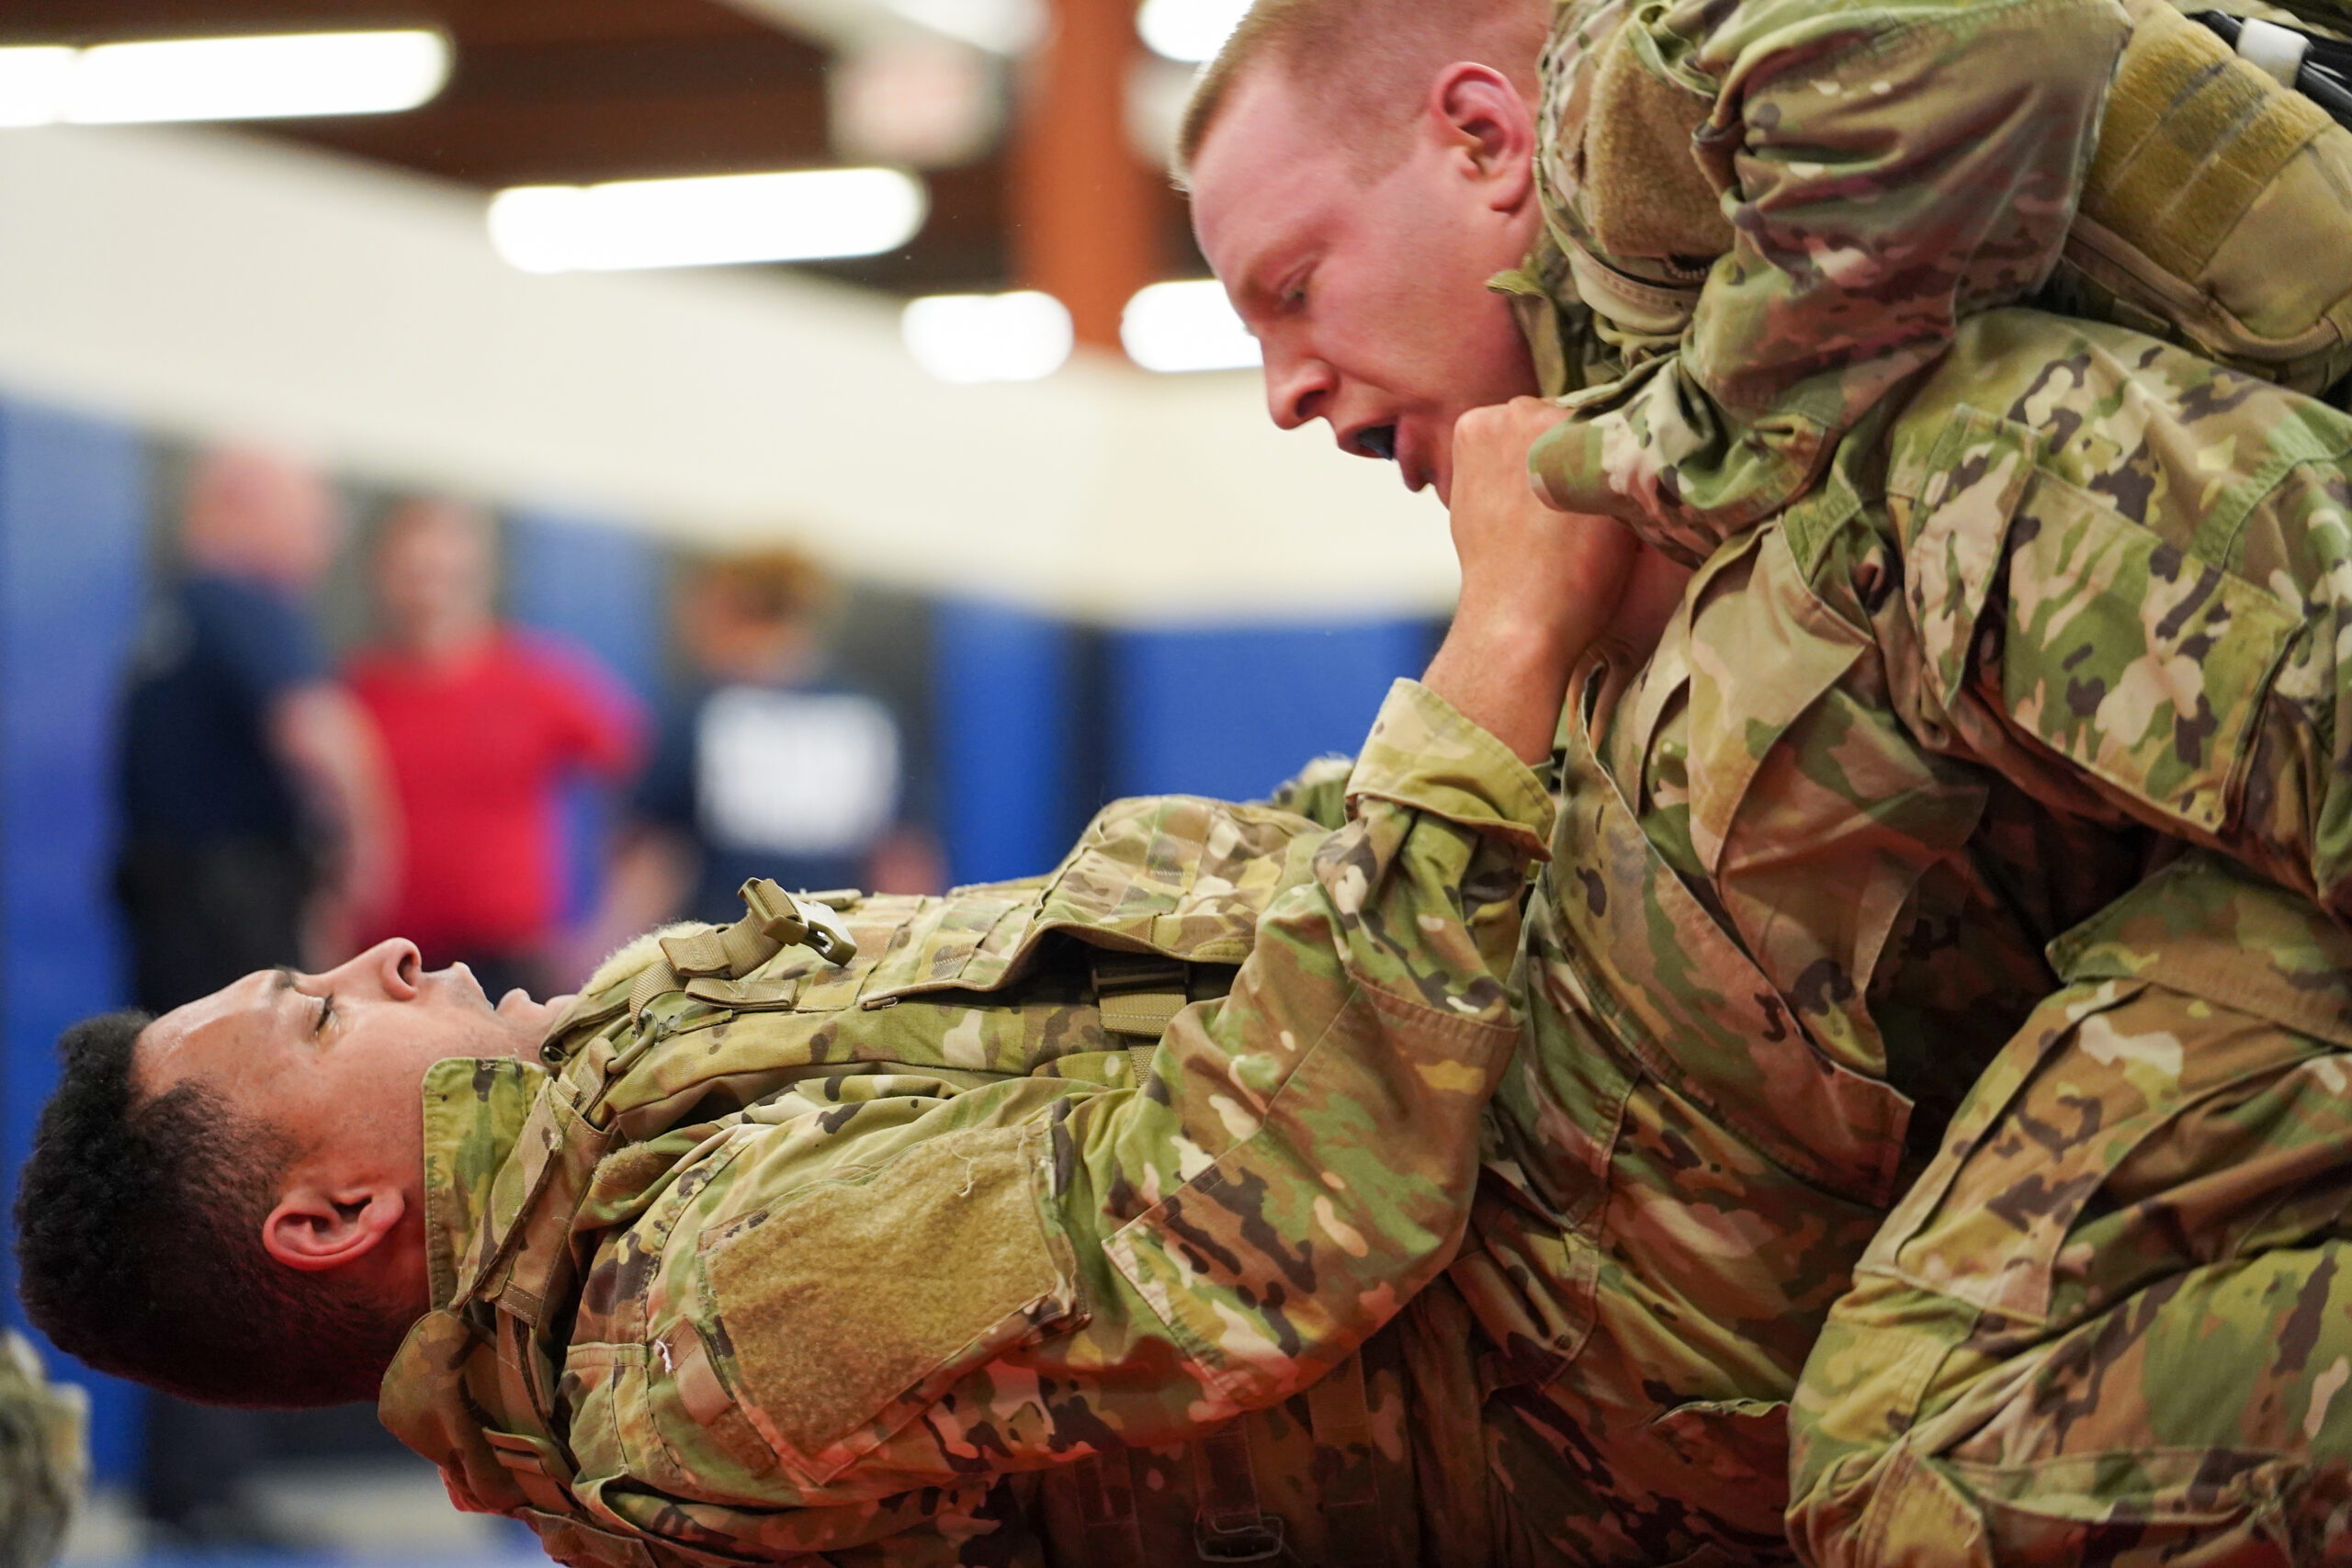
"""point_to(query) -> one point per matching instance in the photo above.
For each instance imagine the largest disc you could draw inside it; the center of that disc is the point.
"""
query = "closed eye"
(326, 1011)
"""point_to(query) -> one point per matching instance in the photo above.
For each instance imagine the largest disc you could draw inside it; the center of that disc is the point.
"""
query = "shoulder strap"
(772, 921)
(1140, 994)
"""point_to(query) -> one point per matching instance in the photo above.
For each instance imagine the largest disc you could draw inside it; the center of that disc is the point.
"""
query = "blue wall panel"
(599, 587)
(73, 529)
(1006, 698)
(594, 583)
(1231, 712)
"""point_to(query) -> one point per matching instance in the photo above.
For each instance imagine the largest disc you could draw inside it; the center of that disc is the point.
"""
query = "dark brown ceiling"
(580, 90)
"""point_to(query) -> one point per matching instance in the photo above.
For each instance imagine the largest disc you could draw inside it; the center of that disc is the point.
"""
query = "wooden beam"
(1087, 220)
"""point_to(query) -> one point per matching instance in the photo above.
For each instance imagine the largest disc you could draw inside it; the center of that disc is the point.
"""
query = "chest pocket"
(845, 1311)
(1679, 995)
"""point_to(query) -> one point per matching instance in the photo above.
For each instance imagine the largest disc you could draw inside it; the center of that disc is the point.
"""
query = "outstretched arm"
(880, 1287)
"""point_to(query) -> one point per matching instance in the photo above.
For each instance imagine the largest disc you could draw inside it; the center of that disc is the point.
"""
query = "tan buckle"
(787, 921)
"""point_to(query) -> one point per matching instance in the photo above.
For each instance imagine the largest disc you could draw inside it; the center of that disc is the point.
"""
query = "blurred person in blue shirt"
(255, 829)
(764, 766)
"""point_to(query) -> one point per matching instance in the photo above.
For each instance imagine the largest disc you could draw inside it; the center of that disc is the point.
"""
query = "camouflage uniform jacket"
(1866, 177)
(2068, 595)
(814, 1258)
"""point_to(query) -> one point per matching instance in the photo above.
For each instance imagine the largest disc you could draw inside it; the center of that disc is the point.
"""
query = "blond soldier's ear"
(317, 1226)
(1490, 129)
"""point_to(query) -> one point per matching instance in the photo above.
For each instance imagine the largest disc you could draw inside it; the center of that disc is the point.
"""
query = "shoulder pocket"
(2137, 661)
(843, 1311)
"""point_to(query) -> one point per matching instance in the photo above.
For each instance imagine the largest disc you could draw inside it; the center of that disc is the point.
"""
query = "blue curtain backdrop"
(73, 536)
(1231, 712)
(601, 587)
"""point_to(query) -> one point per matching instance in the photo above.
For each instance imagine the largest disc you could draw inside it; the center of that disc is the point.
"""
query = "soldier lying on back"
(2005, 609)
(747, 1253)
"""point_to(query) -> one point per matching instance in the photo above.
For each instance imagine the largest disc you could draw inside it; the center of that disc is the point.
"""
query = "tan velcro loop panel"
(1648, 196)
(2192, 135)
(842, 1324)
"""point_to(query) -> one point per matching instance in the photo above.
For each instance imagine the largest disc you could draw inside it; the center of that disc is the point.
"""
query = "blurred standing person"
(480, 726)
(764, 766)
(256, 830)
(256, 825)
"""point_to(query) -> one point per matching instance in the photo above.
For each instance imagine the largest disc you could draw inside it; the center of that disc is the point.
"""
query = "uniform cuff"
(1423, 755)
(1566, 462)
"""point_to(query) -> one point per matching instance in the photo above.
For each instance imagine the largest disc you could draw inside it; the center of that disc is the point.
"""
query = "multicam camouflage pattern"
(2080, 589)
(819, 1258)
(44, 1458)
(1865, 176)
(2112, 1323)
(2130, 572)
(2116, 574)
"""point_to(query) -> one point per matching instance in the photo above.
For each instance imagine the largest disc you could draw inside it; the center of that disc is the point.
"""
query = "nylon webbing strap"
(1230, 1528)
(772, 921)
(1103, 1489)
(1338, 1412)
(1140, 993)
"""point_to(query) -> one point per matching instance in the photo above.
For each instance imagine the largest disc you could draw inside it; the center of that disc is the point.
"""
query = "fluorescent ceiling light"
(274, 78)
(1189, 31)
(1186, 326)
(714, 220)
(970, 338)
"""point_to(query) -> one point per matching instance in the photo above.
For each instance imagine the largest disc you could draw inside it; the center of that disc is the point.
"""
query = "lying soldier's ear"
(316, 1227)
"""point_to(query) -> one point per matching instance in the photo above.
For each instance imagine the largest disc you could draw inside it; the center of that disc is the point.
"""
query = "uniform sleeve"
(2132, 594)
(1886, 170)
(1317, 792)
(1010, 1276)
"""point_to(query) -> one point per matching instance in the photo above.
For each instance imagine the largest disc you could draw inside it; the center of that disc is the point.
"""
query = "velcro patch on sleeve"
(849, 1308)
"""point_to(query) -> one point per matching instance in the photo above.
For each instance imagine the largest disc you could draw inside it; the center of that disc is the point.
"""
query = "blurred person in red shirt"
(481, 726)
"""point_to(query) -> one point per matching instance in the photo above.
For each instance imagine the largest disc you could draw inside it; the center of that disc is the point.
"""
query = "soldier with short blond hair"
(1971, 618)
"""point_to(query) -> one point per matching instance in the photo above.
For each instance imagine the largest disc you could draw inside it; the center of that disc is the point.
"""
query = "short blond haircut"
(1368, 62)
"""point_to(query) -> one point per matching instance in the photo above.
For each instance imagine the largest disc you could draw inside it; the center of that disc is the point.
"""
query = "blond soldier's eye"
(327, 1013)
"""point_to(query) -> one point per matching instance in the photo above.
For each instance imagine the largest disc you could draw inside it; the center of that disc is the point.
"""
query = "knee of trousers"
(2139, 1167)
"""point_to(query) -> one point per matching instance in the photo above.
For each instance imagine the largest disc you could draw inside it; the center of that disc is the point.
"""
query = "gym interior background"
(1080, 562)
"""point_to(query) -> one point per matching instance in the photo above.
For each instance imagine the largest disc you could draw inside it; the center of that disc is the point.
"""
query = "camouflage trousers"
(2112, 1323)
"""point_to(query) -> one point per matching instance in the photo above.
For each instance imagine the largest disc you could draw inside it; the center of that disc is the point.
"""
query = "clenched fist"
(1538, 585)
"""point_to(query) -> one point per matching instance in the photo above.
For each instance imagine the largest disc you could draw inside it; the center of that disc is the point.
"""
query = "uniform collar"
(1551, 317)
(473, 1115)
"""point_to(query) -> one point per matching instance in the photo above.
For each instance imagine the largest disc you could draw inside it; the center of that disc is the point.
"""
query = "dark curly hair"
(138, 1223)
